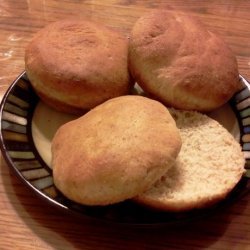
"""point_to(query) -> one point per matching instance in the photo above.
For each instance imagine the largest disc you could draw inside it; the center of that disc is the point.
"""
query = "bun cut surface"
(115, 151)
(75, 65)
(207, 168)
(175, 59)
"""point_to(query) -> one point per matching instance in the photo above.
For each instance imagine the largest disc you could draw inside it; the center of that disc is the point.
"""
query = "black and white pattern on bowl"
(21, 154)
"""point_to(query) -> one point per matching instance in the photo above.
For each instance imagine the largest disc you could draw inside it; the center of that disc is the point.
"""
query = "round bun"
(175, 59)
(207, 168)
(115, 151)
(75, 65)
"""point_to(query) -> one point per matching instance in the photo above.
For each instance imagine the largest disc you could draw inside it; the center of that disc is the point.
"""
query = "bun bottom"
(60, 105)
(208, 167)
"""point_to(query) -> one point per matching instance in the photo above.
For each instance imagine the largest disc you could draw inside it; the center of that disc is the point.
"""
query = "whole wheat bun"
(207, 168)
(75, 65)
(115, 151)
(175, 59)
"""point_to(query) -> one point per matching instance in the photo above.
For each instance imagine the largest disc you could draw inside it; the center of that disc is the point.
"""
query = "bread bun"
(207, 168)
(115, 151)
(75, 65)
(175, 59)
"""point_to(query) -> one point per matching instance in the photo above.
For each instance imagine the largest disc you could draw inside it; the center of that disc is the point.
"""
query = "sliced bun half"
(114, 152)
(207, 168)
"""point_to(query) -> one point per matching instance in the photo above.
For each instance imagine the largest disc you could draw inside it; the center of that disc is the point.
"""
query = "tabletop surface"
(26, 221)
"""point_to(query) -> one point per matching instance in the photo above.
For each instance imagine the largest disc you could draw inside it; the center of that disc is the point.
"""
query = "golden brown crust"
(176, 206)
(177, 60)
(60, 105)
(114, 152)
(79, 63)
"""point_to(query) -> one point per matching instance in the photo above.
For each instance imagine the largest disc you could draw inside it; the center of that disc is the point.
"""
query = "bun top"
(76, 47)
(177, 60)
(115, 151)
(79, 63)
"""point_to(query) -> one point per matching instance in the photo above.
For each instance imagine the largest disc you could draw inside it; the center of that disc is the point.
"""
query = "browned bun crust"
(178, 61)
(115, 151)
(76, 64)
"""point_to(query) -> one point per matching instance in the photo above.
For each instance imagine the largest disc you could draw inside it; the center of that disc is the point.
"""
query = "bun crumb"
(207, 168)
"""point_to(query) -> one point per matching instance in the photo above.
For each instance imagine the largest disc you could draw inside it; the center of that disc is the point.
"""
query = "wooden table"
(26, 221)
